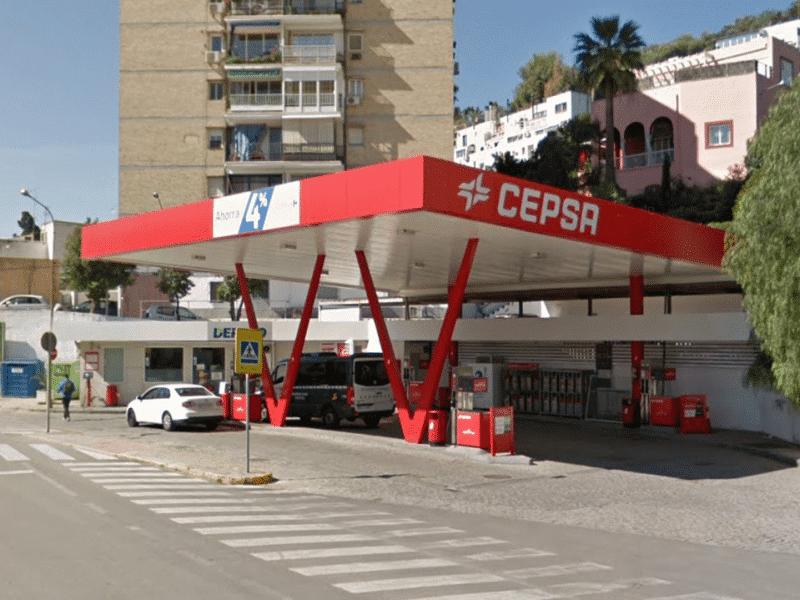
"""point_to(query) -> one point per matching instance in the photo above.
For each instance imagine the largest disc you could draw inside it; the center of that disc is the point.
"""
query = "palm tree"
(606, 63)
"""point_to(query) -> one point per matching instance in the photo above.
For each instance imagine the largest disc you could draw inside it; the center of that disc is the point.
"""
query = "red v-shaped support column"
(414, 423)
(252, 322)
(278, 409)
(297, 349)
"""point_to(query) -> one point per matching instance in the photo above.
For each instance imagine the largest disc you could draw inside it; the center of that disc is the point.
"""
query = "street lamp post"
(27, 193)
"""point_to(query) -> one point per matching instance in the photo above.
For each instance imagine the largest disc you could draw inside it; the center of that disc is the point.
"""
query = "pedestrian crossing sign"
(249, 354)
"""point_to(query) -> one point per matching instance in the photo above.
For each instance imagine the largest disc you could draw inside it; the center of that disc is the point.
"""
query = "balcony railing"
(277, 151)
(256, 100)
(309, 54)
(286, 7)
(288, 55)
(647, 159)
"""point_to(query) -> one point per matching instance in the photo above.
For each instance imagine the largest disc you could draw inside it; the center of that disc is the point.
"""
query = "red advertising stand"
(501, 429)
(664, 411)
(472, 429)
(239, 407)
(694, 414)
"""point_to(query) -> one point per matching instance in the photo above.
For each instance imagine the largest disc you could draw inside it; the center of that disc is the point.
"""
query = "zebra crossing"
(365, 552)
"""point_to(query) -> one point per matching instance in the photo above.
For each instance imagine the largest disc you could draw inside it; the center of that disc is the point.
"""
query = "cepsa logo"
(534, 206)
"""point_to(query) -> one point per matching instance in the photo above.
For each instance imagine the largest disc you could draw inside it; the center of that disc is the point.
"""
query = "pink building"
(699, 110)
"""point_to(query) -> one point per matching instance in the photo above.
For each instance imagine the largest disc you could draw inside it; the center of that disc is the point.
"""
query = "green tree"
(763, 252)
(175, 284)
(229, 291)
(606, 64)
(29, 226)
(557, 157)
(544, 75)
(94, 277)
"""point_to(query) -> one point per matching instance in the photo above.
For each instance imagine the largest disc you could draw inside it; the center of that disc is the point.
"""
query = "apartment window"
(719, 135)
(355, 87)
(561, 107)
(463, 140)
(216, 43)
(215, 140)
(355, 42)
(215, 90)
(787, 72)
(355, 1)
(215, 187)
(355, 137)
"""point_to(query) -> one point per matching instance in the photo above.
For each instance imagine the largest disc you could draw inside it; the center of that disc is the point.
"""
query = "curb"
(260, 479)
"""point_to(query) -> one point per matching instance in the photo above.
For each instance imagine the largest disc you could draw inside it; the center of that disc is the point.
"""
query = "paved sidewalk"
(569, 440)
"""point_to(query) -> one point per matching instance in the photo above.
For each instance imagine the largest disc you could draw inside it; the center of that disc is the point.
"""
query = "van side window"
(311, 373)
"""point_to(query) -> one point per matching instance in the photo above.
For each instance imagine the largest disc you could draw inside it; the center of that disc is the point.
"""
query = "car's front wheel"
(132, 422)
(167, 423)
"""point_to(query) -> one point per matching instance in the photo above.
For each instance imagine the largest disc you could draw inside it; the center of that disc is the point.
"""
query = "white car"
(175, 404)
(24, 301)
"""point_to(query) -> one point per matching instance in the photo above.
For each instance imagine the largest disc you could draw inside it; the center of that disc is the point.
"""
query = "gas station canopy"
(413, 218)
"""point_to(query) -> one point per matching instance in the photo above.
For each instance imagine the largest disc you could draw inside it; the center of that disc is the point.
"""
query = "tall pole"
(25, 192)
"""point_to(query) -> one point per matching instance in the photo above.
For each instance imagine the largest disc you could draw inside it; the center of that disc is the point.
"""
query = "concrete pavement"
(727, 488)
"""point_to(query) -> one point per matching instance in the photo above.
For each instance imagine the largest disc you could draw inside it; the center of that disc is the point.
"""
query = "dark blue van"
(332, 388)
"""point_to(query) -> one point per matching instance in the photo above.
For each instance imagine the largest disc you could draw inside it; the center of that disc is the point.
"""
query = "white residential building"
(518, 133)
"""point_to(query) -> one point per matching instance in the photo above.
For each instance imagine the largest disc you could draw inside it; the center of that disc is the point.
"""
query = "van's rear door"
(371, 389)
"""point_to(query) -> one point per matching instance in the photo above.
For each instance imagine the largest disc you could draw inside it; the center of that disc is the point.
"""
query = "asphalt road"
(87, 525)
(595, 514)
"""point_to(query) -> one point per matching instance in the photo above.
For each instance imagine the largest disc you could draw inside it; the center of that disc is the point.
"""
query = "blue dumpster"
(22, 378)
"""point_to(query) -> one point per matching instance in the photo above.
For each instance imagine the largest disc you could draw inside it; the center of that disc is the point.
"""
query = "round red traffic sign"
(53, 354)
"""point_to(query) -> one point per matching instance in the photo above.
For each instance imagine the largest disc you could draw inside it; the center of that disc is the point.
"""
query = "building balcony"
(251, 108)
(284, 152)
(654, 158)
(286, 55)
(286, 7)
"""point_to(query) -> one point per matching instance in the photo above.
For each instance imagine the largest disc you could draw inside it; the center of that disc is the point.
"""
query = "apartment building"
(227, 96)
(701, 110)
(518, 133)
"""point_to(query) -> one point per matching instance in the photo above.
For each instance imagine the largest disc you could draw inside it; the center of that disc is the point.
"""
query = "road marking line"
(171, 510)
(264, 517)
(97, 465)
(16, 472)
(298, 539)
(161, 486)
(95, 454)
(425, 531)
(330, 552)
(553, 570)
(697, 596)
(190, 501)
(159, 479)
(530, 594)
(267, 528)
(410, 583)
(508, 554)
(465, 542)
(51, 452)
(192, 492)
(107, 470)
(145, 472)
(371, 567)
(11, 454)
(382, 522)
(571, 590)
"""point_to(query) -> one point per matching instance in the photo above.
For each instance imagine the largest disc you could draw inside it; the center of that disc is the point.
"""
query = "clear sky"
(60, 81)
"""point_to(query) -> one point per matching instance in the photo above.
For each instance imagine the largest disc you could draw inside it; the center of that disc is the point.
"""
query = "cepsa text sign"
(248, 351)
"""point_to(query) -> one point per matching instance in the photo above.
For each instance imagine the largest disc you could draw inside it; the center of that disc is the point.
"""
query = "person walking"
(66, 388)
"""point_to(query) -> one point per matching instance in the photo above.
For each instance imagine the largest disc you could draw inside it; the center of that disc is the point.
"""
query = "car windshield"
(194, 390)
(371, 372)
